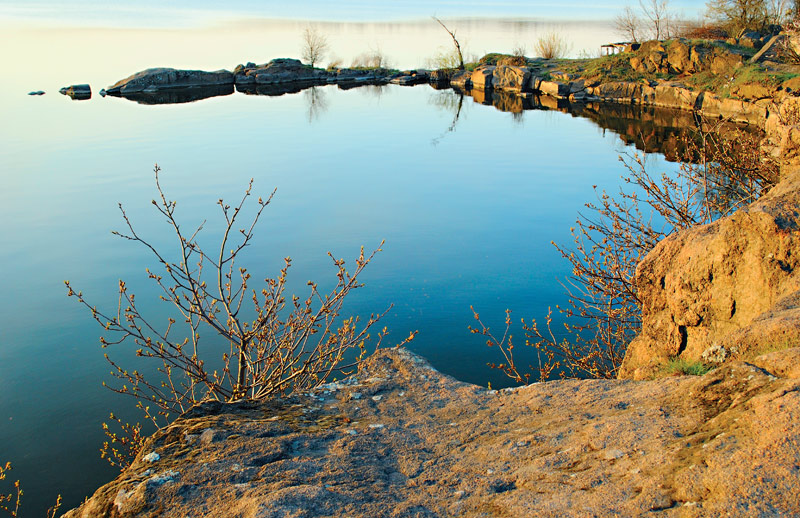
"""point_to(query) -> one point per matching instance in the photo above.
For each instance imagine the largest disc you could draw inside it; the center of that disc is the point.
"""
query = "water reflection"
(316, 101)
(450, 101)
(650, 129)
(178, 95)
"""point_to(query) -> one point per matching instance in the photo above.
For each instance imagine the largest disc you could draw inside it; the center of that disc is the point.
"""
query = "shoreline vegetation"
(717, 298)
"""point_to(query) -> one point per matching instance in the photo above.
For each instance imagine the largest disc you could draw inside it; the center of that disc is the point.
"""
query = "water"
(467, 210)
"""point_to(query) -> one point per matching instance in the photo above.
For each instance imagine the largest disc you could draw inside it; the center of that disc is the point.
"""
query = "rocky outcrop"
(681, 57)
(401, 439)
(734, 283)
(277, 71)
(76, 92)
(155, 79)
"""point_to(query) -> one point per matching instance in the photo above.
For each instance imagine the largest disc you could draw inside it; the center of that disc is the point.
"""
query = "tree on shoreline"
(264, 342)
(628, 24)
(315, 46)
(656, 21)
(456, 44)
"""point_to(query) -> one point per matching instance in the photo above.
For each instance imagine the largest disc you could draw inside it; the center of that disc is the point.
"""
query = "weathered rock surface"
(401, 439)
(155, 79)
(482, 77)
(681, 57)
(512, 78)
(733, 283)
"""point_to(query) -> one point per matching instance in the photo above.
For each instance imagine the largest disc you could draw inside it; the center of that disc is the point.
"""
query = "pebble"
(377, 425)
(614, 454)
(163, 478)
(377, 398)
(355, 395)
(152, 457)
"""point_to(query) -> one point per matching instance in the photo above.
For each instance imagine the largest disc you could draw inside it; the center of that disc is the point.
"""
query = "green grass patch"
(680, 366)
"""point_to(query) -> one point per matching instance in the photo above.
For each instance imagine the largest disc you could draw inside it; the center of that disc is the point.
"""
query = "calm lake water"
(467, 210)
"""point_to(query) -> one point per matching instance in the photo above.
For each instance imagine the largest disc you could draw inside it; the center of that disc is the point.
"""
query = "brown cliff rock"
(732, 283)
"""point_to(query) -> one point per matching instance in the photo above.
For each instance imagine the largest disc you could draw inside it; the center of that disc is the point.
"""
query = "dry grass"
(552, 46)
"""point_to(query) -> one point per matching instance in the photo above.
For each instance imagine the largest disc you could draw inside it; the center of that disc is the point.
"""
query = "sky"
(181, 13)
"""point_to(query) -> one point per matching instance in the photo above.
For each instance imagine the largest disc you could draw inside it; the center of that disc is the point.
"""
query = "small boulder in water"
(37, 92)
(80, 92)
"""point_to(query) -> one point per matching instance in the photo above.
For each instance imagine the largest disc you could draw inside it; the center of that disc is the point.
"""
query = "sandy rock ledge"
(401, 439)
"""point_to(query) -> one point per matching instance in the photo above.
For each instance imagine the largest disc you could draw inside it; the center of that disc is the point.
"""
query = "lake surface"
(468, 206)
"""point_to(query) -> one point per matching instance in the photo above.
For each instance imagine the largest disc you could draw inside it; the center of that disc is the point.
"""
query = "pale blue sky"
(157, 13)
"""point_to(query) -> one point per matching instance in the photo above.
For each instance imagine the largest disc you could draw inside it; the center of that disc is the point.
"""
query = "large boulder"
(154, 79)
(675, 95)
(482, 77)
(512, 78)
(734, 283)
(555, 89)
(462, 79)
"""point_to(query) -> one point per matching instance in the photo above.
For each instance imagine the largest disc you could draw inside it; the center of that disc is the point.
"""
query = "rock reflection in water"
(650, 129)
(178, 95)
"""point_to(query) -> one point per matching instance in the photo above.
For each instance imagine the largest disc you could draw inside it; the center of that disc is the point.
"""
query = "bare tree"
(628, 24)
(779, 12)
(456, 44)
(657, 13)
(738, 15)
(315, 45)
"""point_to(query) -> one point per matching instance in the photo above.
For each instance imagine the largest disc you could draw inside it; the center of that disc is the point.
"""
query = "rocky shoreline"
(401, 439)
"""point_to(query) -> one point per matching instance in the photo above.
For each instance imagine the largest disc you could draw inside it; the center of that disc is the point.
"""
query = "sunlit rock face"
(400, 439)
(733, 283)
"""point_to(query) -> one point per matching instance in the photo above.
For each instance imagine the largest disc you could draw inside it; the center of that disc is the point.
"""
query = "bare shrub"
(335, 63)
(603, 313)
(701, 30)
(10, 503)
(552, 46)
(278, 344)
(122, 446)
(444, 59)
(374, 58)
(315, 46)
